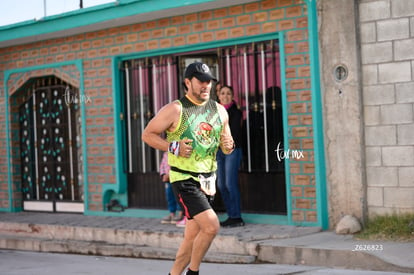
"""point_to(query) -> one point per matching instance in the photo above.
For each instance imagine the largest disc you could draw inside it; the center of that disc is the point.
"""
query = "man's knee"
(208, 222)
(211, 229)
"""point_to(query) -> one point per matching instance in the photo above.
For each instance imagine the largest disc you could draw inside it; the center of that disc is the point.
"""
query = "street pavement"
(270, 248)
(14, 262)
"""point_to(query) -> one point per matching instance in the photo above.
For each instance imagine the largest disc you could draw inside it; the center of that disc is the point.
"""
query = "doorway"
(49, 142)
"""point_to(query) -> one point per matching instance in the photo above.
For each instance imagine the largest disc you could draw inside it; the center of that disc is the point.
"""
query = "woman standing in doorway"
(228, 165)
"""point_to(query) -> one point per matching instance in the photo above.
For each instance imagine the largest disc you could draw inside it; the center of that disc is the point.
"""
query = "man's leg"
(183, 256)
(209, 226)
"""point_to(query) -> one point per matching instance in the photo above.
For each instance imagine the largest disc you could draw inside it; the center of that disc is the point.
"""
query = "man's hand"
(226, 143)
(186, 148)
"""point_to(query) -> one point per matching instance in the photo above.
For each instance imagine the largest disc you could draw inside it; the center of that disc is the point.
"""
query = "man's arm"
(226, 139)
(164, 120)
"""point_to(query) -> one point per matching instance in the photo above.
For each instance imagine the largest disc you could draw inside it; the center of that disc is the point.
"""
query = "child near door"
(173, 207)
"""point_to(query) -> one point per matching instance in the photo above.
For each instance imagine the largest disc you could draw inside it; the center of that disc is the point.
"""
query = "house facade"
(78, 89)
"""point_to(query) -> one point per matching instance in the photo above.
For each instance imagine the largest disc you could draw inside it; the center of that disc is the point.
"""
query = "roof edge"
(99, 17)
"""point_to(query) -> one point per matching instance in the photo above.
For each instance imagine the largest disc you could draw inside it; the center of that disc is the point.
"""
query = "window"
(252, 69)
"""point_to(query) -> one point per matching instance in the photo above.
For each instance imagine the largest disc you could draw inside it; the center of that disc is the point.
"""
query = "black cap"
(200, 71)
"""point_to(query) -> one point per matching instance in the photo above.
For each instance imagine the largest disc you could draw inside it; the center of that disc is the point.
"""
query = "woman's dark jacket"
(235, 123)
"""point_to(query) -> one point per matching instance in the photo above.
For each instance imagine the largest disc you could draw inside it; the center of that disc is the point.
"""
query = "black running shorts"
(192, 200)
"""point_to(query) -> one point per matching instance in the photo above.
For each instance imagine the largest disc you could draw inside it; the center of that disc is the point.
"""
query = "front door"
(253, 70)
(48, 144)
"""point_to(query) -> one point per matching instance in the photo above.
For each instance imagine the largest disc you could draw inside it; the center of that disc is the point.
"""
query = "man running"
(195, 126)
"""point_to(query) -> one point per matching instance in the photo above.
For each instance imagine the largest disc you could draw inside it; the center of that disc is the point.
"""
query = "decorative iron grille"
(49, 148)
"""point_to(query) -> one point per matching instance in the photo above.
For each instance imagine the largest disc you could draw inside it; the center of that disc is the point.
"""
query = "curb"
(107, 249)
(163, 244)
(344, 259)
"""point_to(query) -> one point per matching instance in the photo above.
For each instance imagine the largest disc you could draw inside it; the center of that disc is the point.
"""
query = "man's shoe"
(190, 272)
(232, 222)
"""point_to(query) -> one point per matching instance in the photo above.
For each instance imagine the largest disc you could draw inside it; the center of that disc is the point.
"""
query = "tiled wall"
(387, 37)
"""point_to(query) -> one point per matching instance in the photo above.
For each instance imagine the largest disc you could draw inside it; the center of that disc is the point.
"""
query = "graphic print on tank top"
(202, 124)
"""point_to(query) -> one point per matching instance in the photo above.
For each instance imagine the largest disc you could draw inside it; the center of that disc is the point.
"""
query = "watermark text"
(288, 154)
(72, 98)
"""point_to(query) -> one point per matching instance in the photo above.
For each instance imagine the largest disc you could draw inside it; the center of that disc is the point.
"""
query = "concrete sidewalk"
(147, 238)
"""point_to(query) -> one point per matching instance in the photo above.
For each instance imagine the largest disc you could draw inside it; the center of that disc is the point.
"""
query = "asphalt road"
(34, 263)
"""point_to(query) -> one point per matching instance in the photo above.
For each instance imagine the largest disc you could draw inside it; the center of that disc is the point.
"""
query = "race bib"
(208, 185)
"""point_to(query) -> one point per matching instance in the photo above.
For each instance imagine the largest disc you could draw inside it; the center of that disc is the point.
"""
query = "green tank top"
(203, 125)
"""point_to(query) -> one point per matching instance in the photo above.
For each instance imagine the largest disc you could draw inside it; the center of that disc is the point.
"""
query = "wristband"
(174, 148)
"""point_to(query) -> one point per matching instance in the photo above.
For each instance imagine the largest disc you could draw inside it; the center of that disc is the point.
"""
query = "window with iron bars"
(253, 70)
